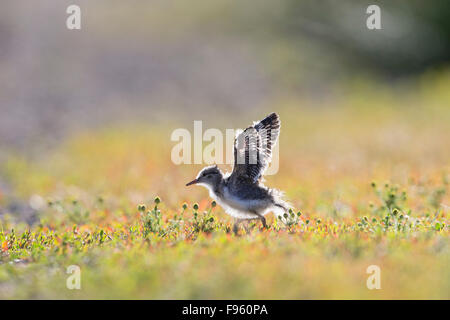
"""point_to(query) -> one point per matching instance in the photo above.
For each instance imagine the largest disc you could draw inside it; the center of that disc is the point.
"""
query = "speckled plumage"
(242, 193)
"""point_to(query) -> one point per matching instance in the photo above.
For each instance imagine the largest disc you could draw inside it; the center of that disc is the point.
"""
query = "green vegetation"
(169, 256)
(96, 195)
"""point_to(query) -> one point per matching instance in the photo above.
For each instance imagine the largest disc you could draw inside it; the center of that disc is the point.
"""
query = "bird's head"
(208, 176)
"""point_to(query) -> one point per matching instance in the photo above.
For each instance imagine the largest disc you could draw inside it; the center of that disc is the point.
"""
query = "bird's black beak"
(192, 182)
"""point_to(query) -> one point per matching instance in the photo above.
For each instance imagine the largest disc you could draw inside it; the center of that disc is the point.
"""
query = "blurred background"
(143, 68)
(144, 59)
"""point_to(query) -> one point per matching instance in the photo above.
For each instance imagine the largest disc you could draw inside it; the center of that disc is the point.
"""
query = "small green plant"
(152, 219)
(177, 221)
(290, 219)
(391, 199)
(205, 222)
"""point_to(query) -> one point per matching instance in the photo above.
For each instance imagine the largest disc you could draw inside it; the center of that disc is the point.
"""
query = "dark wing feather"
(253, 148)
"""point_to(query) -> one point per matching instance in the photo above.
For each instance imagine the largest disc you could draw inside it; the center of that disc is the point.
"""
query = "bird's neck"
(218, 187)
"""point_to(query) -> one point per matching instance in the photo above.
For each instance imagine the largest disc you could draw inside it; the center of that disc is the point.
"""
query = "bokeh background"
(348, 96)
(87, 115)
(143, 60)
(159, 65)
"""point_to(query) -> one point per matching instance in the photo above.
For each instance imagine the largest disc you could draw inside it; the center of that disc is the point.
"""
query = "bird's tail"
(280, 206)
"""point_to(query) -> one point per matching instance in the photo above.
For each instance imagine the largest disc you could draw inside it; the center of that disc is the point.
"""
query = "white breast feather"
(238, 210)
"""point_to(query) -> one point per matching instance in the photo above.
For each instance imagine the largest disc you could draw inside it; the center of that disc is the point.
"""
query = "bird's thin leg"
(236, 226)
(263, 220)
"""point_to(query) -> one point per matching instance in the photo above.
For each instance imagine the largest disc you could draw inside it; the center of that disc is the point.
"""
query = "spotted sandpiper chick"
(241, 193)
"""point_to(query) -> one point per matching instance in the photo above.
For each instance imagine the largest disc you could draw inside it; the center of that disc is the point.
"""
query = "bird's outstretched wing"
(253, 148)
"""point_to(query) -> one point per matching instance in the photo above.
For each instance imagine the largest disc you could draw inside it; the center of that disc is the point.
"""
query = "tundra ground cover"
(368, 179)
